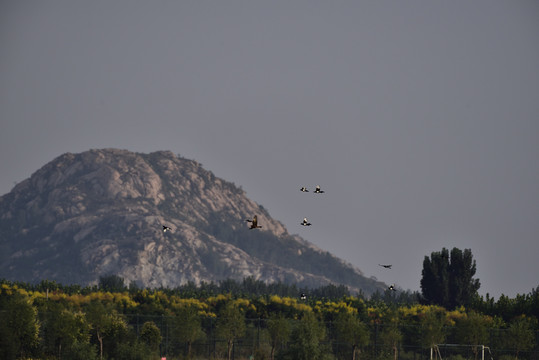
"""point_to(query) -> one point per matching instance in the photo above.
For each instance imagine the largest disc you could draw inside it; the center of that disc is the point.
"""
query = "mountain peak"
(102, 212)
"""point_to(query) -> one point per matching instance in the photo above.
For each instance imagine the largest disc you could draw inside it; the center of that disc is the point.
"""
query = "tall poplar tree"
(447, 278)
(435, 278)
(462, 286)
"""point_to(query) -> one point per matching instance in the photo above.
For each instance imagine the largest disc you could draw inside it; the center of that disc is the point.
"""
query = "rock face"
(101, 212)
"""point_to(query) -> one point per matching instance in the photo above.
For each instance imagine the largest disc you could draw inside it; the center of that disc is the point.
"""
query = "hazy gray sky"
(420, 119)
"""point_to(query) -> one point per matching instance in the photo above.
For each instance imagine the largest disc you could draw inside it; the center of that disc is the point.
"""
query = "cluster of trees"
(240, 319)
(145, 324)
(447, 279)
(248, 287)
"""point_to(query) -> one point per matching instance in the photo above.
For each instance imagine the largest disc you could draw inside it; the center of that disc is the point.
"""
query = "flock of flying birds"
(305, 222)
(254, 225)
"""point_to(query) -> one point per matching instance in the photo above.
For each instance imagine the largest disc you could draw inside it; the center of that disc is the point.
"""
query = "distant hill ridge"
(100, 212)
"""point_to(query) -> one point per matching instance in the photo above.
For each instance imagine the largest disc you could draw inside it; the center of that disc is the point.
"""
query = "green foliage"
(187, 322)
(81, 351)
(151, 335)
(350, 329)
(307, 338)
(448, 280)
(462, 286)
(433, 327)
(96, 315)
(330, 291)
(279, 332)
(115, 334)
(135, 350)
(390, 336)
(187, 326)
(520, 336)
(509, 308)
(61, 329)
(19, 328)
(230, 325)
(390, 297)
(109, 327)
(472, 330)
(111, 283)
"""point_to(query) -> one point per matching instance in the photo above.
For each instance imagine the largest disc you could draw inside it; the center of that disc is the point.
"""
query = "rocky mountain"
(101, 212)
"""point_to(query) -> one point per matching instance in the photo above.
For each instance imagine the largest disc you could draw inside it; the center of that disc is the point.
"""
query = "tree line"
(233, 319)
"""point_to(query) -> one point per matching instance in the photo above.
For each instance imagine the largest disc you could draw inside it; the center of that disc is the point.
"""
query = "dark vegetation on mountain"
(101, 213)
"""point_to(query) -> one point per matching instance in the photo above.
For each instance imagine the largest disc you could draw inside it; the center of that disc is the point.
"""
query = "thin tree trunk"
(100, 339)
(230, 344)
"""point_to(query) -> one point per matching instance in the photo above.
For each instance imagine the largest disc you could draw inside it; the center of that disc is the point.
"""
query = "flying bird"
(386, 266)
(317, 190)
(304, 189)
(254, 223)
(166, 228)
(305, 222)
(303, 296)
(392, 287)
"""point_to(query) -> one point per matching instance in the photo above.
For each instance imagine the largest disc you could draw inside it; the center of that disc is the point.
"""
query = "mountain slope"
(101, 212)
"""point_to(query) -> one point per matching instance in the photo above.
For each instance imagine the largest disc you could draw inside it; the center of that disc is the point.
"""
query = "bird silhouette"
(304, 189)
(392, 287)
(386, 266)
(303, 296)
(166, 228)
(305, 222)
(317, 190)
(254, 223)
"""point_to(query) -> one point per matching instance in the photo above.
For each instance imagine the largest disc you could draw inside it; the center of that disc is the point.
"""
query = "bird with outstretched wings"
(254, 223)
